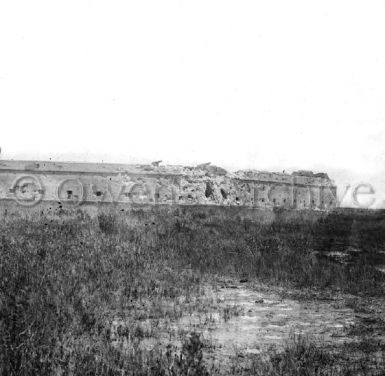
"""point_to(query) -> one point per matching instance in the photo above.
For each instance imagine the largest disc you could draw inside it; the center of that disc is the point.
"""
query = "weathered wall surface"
(29, 184)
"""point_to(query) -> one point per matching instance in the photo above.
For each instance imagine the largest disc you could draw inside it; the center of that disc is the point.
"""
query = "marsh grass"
(301, 356)
(65, 279)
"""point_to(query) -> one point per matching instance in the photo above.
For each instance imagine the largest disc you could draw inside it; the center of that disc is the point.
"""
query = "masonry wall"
(28, 184)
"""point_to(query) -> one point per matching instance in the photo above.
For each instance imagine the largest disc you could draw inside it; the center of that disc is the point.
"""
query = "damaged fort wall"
(31, 183)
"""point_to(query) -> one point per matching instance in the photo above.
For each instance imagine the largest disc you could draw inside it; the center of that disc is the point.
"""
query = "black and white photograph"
(192, 188)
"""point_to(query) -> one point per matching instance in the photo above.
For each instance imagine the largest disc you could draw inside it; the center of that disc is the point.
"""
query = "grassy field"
(80, 295)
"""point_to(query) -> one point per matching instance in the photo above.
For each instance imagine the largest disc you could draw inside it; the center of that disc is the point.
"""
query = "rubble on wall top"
(311, 174)
(306, 173)
(254, 174)
(322, 175)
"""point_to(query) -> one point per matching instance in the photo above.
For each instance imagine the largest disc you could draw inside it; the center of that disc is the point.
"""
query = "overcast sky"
(273, 85)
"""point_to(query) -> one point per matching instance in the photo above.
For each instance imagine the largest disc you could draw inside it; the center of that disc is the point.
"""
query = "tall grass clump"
(63, 281)
(292, 253)
(301, 356)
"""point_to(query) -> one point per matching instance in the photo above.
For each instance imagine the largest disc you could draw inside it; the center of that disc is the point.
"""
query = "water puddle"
(258, 320)
(242, 320)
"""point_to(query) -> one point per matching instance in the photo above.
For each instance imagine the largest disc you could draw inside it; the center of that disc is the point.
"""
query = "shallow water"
(260, 319)
(268, 319)
(256, 319)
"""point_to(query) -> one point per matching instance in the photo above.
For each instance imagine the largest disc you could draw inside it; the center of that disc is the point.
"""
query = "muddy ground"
(238, 319)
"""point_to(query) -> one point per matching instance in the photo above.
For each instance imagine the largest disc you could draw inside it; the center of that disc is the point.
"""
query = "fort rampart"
(29, 183)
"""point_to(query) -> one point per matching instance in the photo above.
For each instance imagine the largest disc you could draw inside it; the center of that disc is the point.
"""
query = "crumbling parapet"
(29, 182)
